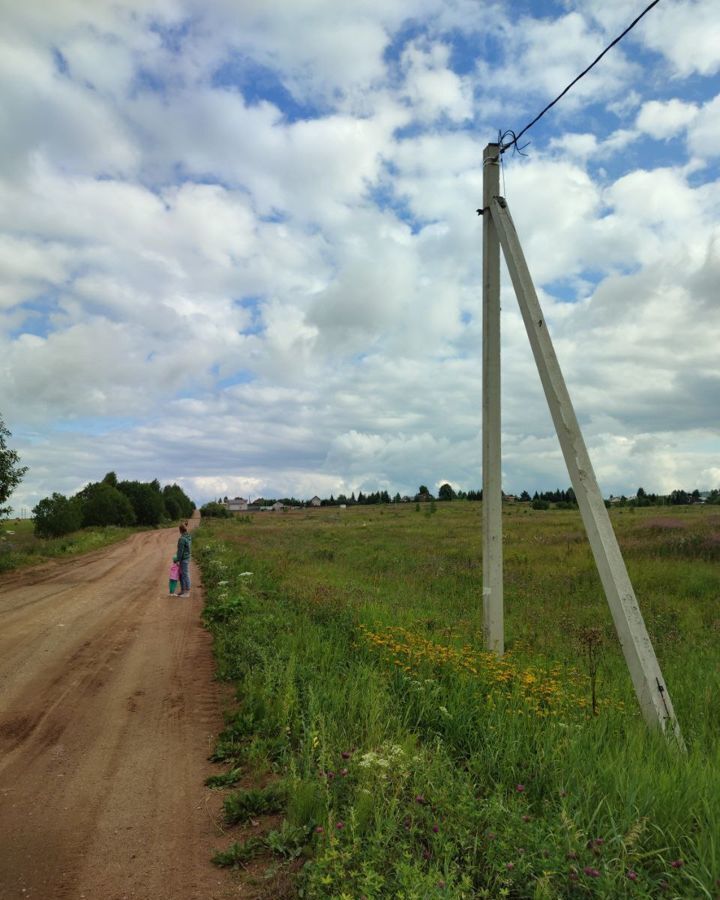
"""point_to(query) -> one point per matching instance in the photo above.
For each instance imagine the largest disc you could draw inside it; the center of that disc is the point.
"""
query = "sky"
(239, 248)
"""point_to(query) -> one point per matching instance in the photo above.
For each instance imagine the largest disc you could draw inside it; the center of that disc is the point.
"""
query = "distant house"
(237, 504)
(316, 501)
(277, 506)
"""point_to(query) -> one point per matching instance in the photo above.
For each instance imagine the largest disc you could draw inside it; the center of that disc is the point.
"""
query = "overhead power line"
(516, 137)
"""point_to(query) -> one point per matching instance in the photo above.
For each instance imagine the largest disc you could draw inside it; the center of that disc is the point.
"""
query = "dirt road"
(108, 712)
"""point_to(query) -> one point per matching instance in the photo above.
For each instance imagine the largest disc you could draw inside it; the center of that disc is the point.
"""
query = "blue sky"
(239, 249)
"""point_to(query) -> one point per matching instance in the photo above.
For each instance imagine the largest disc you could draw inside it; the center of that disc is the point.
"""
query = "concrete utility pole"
(491, 424)
(639, 654)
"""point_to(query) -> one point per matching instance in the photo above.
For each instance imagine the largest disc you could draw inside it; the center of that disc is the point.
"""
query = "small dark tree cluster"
(112, 502)
(557, 496)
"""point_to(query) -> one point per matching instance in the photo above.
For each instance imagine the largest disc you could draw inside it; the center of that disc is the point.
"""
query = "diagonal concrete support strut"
(647, 678)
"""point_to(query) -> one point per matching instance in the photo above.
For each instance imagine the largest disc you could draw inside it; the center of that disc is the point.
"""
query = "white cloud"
(204, 281)
(704, 130)
(688, 34)
(545, 55)
(664, 120)
(432, 88)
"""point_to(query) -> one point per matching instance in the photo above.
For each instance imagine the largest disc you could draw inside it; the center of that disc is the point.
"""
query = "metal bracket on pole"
(491, 443)
(639, 654)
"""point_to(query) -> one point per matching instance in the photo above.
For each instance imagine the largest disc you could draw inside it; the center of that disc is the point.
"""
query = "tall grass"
(19, 547)
(415, 764)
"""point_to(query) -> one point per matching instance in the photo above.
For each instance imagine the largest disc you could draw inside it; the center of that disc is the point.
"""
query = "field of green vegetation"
(20, 546)
(407, 762)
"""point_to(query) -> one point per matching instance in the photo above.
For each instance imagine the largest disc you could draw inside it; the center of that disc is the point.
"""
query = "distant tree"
(147, 502)
(640, 493)
(540, 504)
(11, 472)
(111, 479)
(423, 493)
(397, 498)
(103, 504)
(181, 498)
(525, 497)
(172, 508)
(215, 510)
(57, 515)
(446, 492)
(678, 498)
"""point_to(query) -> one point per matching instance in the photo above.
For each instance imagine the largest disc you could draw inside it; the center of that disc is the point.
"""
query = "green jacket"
(184, 547)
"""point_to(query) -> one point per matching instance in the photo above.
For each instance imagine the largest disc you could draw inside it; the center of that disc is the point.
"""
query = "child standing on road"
(174, 575)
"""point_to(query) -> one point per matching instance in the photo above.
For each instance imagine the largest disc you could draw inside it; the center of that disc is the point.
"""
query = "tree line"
(112, 502)
(558, 498)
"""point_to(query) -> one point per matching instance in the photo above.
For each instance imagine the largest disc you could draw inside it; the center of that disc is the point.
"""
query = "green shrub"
(215, 510)
(56, 516)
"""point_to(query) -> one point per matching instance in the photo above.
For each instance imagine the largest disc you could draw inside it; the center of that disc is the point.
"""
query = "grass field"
(19, 547)
(407, 762)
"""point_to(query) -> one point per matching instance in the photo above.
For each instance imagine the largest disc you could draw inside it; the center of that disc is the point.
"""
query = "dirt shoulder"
(108, 711)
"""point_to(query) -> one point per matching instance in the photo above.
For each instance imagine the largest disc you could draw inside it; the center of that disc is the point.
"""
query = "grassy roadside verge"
(20, 548)
(408, 763)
